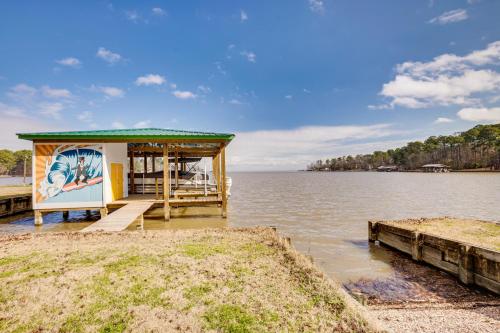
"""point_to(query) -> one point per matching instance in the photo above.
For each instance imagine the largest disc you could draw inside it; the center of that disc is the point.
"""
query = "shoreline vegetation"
(475, 149)
(229, 280)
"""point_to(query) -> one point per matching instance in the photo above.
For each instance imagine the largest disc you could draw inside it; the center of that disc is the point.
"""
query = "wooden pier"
(120, 219)
(14, 199)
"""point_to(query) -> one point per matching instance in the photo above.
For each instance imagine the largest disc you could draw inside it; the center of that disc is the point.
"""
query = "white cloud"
(480, 114)
(307, 91)
(150, 79)
(471, 2)
(112, 92)
(288, 96)
(117, 125)
(70, 62)
(158, 11)
(52, 110)
(448, 79)
(183, 94)
(234, 101)
(11, 111)
(295, 148)
(243, 16)
(443, 120)
(132, 15)
(10, 125)
(173, 86)
(22, 92)
(108, 56)
(252, 57)
(451, 16)
(56, 93)
(317, 6)
(143, 124)
(204, 89)
(85, 116)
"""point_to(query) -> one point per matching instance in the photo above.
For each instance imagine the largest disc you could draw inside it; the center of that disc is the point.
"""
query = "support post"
(416, 247)
(140, 222)
(153, 169)
(166, 183)
(65, 215)
(88, 213)
(216, 171)
(223, 181)
(103, 211)
(132, 173)
(176, 169)
(465, 265)
(38, 218)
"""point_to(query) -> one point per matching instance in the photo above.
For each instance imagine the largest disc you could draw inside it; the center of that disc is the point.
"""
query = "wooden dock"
(120, 219)
(14, 199)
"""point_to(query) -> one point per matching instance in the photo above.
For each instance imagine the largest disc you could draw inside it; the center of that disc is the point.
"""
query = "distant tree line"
(12, 162)
(479, 147)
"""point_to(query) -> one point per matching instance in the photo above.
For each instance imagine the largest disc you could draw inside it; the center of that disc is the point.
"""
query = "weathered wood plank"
(120, 219)
(395, 241)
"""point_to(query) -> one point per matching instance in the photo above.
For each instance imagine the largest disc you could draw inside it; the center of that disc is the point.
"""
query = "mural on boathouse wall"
(68, 175)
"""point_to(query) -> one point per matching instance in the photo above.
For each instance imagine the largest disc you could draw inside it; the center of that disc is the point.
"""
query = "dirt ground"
(420, 298)
(230, 280)
(479, 233)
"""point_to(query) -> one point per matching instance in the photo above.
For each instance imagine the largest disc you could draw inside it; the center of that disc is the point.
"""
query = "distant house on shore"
(435, 168)
(387, 168)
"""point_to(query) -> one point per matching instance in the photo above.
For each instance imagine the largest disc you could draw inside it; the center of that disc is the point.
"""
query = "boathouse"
(127, 170)
(435, 168)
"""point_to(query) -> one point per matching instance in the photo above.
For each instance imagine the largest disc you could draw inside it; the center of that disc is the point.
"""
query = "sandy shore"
(206, 280)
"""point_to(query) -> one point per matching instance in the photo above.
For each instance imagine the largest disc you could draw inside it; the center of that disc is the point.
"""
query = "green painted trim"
(126, 134)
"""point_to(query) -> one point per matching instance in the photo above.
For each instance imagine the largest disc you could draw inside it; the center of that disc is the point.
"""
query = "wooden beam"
(145, 163)
(178, 149)
(223, 181)
(132, 172)
(153, 169)
(166, 182)
(176, 169)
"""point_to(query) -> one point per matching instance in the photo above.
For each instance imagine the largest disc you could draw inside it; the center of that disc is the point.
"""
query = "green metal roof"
(127, 134)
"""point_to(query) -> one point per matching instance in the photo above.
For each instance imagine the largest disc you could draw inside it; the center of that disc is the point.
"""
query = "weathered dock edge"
(14, 204)
(472, 265)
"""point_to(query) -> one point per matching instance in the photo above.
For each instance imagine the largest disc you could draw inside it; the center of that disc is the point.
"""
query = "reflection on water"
(326, 214)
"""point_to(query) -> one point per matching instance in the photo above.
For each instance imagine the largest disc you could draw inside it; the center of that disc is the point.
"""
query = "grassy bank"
(207, 280)
(475, 232)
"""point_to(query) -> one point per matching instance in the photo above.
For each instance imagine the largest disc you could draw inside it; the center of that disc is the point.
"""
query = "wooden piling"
(223, 182)
(166, 182)
(38, 218)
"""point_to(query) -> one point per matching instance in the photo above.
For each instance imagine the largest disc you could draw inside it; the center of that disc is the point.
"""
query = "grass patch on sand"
(479, 233)
(190, 281)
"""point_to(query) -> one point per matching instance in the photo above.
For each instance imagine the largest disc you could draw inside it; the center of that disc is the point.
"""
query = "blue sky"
(295, 80)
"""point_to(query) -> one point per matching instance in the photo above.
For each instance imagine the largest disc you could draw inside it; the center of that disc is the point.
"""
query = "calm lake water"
(326, 214)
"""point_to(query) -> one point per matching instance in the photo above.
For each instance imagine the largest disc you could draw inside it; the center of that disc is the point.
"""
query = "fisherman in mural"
(82, 171)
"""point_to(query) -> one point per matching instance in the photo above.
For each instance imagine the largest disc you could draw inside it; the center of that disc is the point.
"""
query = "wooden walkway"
(120, 219)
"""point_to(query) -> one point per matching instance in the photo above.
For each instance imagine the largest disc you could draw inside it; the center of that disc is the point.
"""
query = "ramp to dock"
(120, 219)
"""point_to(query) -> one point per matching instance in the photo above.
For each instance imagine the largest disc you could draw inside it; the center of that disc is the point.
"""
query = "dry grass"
(8, 191)
(479, 233)
(206, 280)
